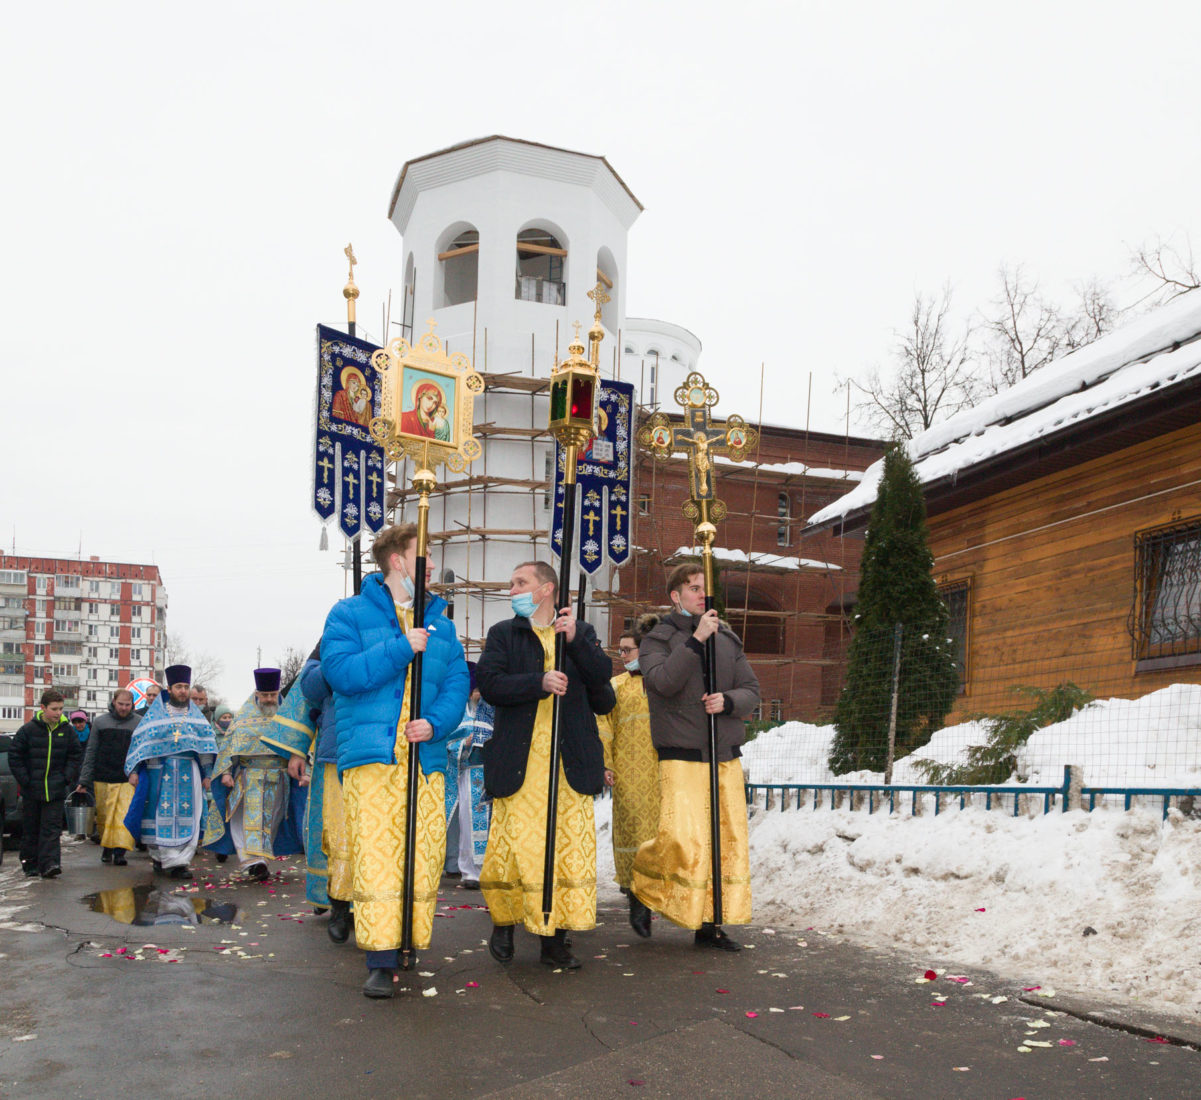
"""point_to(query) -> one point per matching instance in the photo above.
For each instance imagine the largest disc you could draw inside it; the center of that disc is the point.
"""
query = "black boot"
(339, 920)
(708, 935)
(184, 873)
(379, 984)
(258, 872)
(119, 859)
(106, 855)
(640, 917)
(500, 943)
(555, 952)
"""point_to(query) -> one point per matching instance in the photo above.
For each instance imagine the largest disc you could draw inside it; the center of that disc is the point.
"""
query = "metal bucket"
(81, 817)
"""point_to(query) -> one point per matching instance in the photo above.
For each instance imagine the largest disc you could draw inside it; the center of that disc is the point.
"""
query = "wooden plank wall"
(1051, 568)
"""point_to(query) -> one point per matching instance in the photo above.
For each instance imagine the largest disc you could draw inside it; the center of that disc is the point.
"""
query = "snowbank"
(983, 888)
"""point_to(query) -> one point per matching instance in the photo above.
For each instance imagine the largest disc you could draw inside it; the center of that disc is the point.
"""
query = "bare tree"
(1096, 314)
(1171, 269)
(205, 667)
(1023, 330)
(290, 665)
(931, 376)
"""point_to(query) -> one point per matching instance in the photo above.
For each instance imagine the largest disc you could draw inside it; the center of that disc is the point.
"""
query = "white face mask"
(632, 666)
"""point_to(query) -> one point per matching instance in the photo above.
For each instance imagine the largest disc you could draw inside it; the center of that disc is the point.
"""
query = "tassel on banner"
(324, 543)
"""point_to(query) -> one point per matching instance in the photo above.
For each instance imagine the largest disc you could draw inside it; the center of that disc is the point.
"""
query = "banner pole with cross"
(428, 414)
(699, 439)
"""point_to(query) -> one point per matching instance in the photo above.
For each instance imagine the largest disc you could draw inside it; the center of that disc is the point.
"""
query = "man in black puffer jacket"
(45, 758)
(103, 776)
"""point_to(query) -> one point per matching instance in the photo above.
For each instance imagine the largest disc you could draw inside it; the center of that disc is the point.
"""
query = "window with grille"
(957, 597)
(1165, 621)
(784, 514)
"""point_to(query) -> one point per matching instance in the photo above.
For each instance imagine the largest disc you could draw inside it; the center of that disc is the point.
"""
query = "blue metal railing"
(881, 791)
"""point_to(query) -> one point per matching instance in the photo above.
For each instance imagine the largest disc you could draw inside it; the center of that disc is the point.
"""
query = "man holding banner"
(516, 675)
(368, 645)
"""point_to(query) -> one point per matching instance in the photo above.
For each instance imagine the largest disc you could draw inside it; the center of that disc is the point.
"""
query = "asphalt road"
(266, 1006)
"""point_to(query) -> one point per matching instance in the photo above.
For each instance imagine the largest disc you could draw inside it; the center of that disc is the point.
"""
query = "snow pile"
(983, 888)
(739, 557)
(1154, 741)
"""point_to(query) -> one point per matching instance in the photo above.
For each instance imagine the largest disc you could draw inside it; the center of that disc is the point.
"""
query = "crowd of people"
(321, 767)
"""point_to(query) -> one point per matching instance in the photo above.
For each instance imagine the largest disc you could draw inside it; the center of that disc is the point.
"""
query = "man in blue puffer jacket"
(368, 645)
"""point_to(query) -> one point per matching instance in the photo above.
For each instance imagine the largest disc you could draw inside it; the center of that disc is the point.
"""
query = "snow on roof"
(765, 561)
(1119, 368)
(799, 468)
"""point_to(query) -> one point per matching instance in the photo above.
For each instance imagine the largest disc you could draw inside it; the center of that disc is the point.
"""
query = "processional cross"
(699, 439)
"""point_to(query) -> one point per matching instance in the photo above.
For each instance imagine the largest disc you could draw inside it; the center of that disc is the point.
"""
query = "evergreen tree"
(896, 585)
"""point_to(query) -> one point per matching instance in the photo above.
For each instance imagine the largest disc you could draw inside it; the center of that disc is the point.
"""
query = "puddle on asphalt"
(148, 905)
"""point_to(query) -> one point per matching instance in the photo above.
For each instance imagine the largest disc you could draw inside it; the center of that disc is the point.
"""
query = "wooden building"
(783, 598)
(1065, 518)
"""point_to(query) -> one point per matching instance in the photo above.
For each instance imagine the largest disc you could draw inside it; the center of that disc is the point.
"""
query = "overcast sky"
(180, 182)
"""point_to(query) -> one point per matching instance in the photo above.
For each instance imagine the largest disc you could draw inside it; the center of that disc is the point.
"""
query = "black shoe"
(555, 952)
(379, 984)
(469, 884)
(95, 838)
(500, 943)
(181, 872)
(119, 859)
(158, 864)
(140, 846)
(339, 920)
(222, 857)
(640, 918)
(710, 936)
(52, 872)
(258, 872)
(106, 855)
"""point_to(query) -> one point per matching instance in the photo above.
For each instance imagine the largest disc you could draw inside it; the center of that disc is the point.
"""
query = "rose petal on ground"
(1024, 1050)
(431, 992)
(929, 975)
(751, 1015)
(1103, 1058)
(473, 985)
(723, 991)
(775, 1010)
(839, 1019)
(878, 1057)
(998, 1000)
(822, 1015)
(1067, 1042)
(961, 1069)
(1157, 1039)
(635, 1081)
(980, 910)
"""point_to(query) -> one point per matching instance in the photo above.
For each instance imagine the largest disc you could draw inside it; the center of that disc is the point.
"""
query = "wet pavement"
(118, 982)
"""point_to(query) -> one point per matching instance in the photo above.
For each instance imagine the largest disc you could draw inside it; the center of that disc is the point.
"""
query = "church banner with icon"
(348, 464)
(605, 474)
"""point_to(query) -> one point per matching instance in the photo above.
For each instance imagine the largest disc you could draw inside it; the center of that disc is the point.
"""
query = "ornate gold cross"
(592, 518)
(352, 481)
(373, 477)
(326, 466)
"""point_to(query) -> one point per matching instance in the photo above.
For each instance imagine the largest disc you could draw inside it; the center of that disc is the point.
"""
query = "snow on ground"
(984, 888)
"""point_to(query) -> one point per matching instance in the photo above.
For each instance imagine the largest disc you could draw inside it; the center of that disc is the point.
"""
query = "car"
(10, 798)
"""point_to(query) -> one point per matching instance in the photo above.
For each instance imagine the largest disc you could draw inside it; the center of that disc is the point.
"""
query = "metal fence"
(915, 713)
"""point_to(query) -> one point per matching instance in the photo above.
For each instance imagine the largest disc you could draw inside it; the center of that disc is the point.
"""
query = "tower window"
(541, 268)
(460, 269)
(784, 514)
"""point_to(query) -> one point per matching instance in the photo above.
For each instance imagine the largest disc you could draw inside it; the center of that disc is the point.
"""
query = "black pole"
(407, 955)
(356, 546)
(552, 789)
(581, 597)
(714, 803)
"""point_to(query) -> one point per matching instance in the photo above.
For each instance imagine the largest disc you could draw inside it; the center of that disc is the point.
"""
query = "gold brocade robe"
(511, 878)
(112, 804)
(629, 754)
(673, 872)
(375, 797)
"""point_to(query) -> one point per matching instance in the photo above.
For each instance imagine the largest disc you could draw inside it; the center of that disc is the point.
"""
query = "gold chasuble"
(629, 754)
(376, 797)
(673, 872)
(511, 878)
(335, 837)
(112, 804)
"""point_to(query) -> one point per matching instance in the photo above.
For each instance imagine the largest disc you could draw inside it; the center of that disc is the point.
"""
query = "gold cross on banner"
(374, 479)
(352, 481)
(325, 466)
(592, 518)
(619, 512)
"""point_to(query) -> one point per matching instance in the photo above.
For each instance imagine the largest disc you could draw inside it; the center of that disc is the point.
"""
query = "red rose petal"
(723, 991)
(930, 976)
(822, 1015)
(752, 1015)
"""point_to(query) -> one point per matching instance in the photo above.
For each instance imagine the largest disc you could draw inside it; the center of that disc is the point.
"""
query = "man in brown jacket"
(673, 871)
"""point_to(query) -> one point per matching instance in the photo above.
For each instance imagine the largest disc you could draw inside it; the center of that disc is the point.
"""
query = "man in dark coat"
(103, 775)
(45, 758)
(673, 872)
(516, 674)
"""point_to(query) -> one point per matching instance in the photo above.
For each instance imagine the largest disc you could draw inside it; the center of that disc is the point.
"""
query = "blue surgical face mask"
(523, 604)
(407, 581)
(632, 666)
